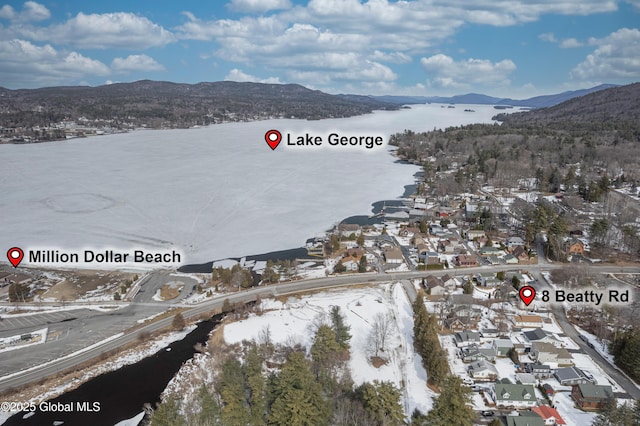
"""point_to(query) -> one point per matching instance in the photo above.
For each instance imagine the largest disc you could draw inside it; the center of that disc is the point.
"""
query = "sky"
(504, 48)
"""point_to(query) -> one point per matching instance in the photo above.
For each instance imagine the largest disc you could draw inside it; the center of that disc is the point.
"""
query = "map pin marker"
(273, 138)
(15, 256)
(527, 294)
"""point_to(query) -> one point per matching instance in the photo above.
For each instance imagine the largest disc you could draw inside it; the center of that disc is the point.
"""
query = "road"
(62, 363)
(569, 330)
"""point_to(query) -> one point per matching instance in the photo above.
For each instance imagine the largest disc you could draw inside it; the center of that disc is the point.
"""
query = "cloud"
(237, 75)
(136, 63)
(394, 57)
(103, 31)
(446, 72)
(569, 43)
(550, 37)
(23, 64)
(616, 57)
(31, 12)
(258, 5)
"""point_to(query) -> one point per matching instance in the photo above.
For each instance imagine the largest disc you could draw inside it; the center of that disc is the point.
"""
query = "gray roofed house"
(474, 353)
(591, 397)
(571, 376)
(502, 346)
(540, 371)
(466, 337)
(540, 335)
(546, 353)
(483, 370)
(525, 419)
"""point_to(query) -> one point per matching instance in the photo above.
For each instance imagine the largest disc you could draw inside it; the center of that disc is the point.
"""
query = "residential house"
(489, 251)
(539, 371)
(513, 242)
(514, 395)
(350, 263)
(549, 415)
(546, 353)
(449, 282)
(591, 397)
(471, 234)
(487, 279)
(526, 379)
(574, 246)
(473, 353)
(463, 317)
(489, 333)
(393, 255)
(510, 259)
(347, 229)
(483, 371)
(446, 246)
(466, 260)
(430, 258)
(520, 253)
(409, 232)
(466, 338)
(525, 418)
(434, 286)
(570, 376)
(502, 346)
(548, 390)
(540, 335)
(527, 321)
(356, 252)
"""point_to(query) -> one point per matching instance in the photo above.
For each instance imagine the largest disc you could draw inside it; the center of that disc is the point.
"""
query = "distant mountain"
(480, 99)
(165, 104)
(614, 108)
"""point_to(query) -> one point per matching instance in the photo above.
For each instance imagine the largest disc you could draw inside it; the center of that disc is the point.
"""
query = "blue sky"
(516, 48)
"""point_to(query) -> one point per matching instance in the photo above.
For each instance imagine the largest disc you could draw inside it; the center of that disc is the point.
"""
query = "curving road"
(41, 371)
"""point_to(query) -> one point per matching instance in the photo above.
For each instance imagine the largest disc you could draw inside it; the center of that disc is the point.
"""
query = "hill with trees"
(165, 104)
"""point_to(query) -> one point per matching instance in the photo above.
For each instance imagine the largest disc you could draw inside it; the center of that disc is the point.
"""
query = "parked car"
(487, 414)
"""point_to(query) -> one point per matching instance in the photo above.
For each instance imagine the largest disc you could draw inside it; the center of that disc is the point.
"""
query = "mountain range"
(476, 98)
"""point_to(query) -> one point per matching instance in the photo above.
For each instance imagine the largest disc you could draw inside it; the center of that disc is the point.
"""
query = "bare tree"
(380, 332)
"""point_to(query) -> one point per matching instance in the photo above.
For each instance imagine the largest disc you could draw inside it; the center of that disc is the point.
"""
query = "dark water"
(290, 254)
(122, 393)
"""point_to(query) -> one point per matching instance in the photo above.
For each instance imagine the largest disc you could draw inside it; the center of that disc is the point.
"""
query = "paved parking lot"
(11, 325)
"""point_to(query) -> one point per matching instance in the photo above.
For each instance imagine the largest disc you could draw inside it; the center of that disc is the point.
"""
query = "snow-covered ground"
(292, 322)
(210, 192)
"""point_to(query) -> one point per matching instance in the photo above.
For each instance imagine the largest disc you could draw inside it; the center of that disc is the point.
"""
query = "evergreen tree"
(340, 328)
(257, 387)
(382, 401)
(325, 348)
(625, 349)
(168, 414)
(209, 413)
(450, 408)
(231, 385)
(298, 398)
(362, 264)
(360, 240)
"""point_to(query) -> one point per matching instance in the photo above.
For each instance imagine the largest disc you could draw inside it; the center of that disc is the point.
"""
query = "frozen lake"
(211, 192)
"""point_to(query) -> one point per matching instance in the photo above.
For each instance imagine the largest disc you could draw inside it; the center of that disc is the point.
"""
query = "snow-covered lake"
(211, 192)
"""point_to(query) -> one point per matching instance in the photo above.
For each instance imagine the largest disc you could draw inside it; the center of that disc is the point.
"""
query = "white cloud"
(258, 5)
(31, 12)
(443, 71)
(103, 31)
(23, 64)
(550, 37)
(136, 63)
(569, 43)
(617, 57)
(237, 75)
(394, 57)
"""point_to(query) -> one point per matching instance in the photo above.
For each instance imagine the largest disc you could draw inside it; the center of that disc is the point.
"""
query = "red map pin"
(15, 256)
(273, 138)
(527, 294)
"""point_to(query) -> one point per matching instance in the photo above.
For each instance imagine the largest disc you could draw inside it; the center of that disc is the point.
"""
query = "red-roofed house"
(549, 415)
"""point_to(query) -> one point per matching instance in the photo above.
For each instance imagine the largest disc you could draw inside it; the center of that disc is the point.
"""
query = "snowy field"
(211, 192)
(291, 323)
